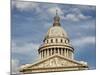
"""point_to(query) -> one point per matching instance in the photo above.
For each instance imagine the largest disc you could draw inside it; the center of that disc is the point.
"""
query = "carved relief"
(55, 62)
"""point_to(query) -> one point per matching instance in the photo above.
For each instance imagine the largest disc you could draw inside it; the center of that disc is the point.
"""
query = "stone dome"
(56, 41)
(56, 31)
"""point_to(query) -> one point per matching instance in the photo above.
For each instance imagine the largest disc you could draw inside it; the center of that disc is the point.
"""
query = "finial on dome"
(56, 12)
(56, 19)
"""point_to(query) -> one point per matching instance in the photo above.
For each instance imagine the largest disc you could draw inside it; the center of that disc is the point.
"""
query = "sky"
(30, 22)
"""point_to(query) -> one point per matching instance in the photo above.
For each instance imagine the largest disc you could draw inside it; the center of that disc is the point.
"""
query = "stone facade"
(56, 53)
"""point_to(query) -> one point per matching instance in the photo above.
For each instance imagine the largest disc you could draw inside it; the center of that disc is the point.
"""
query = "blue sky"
(31, 20)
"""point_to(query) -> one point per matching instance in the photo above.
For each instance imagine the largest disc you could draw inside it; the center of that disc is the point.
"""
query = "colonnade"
(61, 51)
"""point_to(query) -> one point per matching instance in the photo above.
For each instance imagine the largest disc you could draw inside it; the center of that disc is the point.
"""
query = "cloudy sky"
(31, 20)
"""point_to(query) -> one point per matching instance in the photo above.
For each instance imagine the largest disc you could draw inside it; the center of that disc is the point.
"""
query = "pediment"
(55, 61)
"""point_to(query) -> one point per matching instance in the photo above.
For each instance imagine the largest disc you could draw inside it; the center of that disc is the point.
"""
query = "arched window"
(51, 40)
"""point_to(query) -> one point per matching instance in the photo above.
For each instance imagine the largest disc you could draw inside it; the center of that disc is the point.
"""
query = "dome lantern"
(56, 19)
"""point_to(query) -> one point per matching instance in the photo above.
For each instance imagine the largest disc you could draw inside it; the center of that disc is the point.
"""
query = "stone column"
(65, 52)
(41, 54)
(58, 51)
(54, 50)
(45, 52)
(69, 54)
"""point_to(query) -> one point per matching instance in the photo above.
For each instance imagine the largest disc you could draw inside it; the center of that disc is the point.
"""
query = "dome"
(56, 31)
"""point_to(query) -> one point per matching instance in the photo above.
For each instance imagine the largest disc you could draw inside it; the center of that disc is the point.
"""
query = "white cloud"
(86, 8)
(76, 17)
(76, 14)
(83, 41)
(88, 25)
(81, 16)
(24, 6)
(23, 48)
(71, 17)
(14, 66)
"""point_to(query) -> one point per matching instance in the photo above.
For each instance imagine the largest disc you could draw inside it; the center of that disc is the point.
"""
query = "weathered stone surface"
(54, 63)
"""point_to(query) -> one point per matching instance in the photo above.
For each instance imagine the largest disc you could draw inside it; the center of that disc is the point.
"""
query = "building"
(56, 53)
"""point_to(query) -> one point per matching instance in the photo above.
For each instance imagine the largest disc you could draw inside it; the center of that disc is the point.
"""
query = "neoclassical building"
(56, 53)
